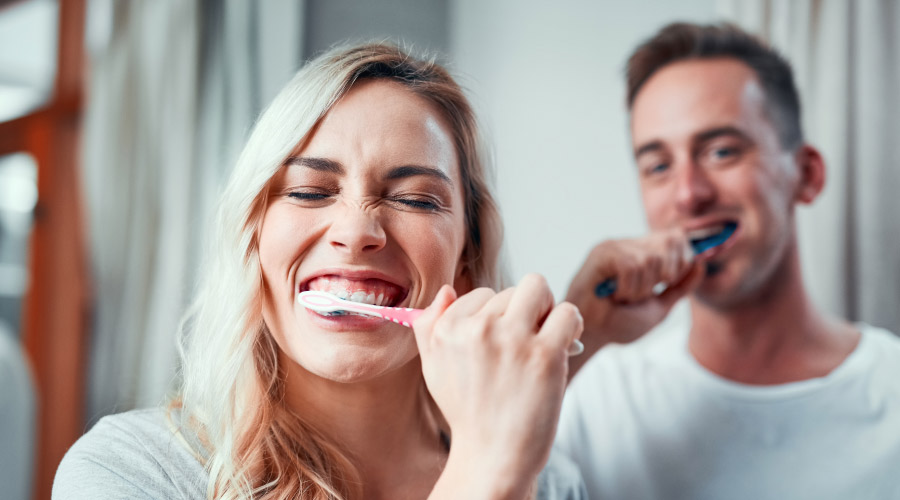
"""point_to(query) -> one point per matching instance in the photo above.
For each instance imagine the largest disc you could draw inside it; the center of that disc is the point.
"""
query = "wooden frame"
(56, 302)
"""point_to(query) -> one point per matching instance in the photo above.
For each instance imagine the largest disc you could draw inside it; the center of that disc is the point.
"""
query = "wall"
(422, 23)
(547, 79)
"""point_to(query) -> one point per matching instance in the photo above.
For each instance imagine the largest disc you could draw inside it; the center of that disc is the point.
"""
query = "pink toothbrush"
(329, 304)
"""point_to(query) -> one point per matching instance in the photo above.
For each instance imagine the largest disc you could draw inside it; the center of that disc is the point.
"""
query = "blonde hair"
(255, 447)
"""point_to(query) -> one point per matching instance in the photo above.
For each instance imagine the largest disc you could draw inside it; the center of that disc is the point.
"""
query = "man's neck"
(778, 337)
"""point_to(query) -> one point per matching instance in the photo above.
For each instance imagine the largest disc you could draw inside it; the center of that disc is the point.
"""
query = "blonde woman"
(363, 178)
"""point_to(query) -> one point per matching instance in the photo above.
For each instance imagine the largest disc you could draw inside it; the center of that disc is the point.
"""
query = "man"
(763, 396)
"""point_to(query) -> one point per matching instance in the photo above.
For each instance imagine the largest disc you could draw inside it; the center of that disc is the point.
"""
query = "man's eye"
(722, 153)
(656, 168)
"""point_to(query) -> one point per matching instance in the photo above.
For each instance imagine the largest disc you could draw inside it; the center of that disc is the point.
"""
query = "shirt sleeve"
(129, 456)
(81, 476)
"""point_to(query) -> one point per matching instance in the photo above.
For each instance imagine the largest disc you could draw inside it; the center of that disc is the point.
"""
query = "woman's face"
(370, 209)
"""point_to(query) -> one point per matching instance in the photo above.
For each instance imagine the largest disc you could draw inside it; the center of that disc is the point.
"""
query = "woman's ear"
(812, 174)
(462, 282)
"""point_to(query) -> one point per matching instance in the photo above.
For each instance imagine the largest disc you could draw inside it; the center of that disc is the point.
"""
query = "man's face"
(708, 155)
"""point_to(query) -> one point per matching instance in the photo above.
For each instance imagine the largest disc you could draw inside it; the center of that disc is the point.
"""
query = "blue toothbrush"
(608, 287)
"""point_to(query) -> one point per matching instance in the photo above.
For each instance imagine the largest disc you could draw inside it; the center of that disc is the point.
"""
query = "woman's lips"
(349, 322)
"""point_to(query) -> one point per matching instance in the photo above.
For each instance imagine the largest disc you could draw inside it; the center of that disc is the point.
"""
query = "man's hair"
(684, 41)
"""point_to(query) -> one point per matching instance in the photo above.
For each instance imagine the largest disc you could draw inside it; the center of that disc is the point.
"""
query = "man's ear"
(812, 174)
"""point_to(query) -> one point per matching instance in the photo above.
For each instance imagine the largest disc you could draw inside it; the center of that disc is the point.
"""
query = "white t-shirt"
(647, 421)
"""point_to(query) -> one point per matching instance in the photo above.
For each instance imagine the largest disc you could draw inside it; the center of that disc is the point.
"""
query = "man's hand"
(639, 266)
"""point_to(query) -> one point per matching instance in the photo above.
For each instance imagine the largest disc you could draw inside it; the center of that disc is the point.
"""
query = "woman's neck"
(388, 425)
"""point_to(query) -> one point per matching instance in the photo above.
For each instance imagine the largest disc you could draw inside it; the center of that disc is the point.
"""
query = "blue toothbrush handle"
(608, 287)
(605, 288)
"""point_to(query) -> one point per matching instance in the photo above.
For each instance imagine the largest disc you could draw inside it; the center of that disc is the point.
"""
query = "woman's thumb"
(424, 324)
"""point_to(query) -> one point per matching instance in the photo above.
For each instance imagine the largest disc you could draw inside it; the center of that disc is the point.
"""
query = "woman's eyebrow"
(319, 164)
(405, 171)
(401, 172)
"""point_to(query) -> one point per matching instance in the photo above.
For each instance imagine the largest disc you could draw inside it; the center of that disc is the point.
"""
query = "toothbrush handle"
(406, 316)
(401, 315)
(608, 287)
(575, 348)
(605, 288)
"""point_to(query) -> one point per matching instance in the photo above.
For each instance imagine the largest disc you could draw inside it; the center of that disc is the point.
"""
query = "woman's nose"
(355, 230)
(695, 190)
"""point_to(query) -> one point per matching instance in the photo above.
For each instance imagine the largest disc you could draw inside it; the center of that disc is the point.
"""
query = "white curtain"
(174, 88)
(17, 418)
(846, 59)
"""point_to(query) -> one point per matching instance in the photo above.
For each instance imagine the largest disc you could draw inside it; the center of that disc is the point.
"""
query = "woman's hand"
(496, 365)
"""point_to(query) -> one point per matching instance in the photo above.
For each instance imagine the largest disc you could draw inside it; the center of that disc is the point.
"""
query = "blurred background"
(120, 120)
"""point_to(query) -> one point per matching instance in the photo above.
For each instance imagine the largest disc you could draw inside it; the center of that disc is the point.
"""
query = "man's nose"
(357, 229)
(695, 191)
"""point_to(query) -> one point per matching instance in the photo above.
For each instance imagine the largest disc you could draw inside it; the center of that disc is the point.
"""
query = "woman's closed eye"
(309, 195)
(417, 202)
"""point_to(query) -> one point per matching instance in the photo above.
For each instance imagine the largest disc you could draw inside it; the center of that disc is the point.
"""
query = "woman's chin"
(344, 348)
(343, 354)
(350, 365)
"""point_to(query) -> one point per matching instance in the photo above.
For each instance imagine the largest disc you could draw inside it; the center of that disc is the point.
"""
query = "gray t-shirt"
(138, 455)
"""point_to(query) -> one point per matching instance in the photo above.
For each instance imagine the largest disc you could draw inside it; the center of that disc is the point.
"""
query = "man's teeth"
(706, 232)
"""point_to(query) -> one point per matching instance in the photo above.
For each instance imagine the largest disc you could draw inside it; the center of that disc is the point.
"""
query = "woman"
(362, 178)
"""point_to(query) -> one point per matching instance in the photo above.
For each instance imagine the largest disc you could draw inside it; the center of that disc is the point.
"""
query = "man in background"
(762, 396)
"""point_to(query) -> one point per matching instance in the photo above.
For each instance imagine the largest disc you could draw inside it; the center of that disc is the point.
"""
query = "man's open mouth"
(711, 236)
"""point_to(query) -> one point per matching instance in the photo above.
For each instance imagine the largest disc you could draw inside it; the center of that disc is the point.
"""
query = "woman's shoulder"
(560, 480)
(138, 454)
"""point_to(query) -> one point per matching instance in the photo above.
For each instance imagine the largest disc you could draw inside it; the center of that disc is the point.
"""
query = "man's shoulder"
(880, 335)
(660, 348)
(880, 346)
(139, 454)
(560, 480)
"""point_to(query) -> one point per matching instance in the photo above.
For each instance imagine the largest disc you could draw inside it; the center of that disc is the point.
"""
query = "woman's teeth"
(371, 291)
(361, 297)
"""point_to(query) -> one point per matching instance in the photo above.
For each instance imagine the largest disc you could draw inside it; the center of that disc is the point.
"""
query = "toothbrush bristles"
(340, 312)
